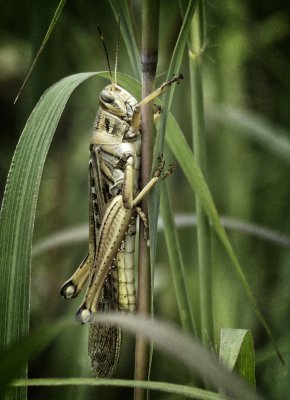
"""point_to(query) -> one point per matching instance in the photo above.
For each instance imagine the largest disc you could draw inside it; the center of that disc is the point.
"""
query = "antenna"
(117, 49)
(106, 51)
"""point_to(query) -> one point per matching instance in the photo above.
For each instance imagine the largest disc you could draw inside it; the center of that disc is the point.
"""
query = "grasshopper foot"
(83, 315)
(160, 167)
(175, 79)
(156, 112)
(168, 172)
(157, 109)
(68, 289)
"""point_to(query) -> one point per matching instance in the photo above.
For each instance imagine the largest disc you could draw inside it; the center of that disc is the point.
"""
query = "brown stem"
(149, 57)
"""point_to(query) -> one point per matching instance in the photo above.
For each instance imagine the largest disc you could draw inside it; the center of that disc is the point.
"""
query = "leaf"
(45, 40)
(174, 68)
(120, 8)
(19, 204)
(166, 387)
(237, 352)
(177, 265)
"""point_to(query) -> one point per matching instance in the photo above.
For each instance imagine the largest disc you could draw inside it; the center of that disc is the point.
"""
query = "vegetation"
(227, 289)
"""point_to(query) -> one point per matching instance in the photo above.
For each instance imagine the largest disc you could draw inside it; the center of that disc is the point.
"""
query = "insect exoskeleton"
(113, 230)
(114, 199)
(118, 101)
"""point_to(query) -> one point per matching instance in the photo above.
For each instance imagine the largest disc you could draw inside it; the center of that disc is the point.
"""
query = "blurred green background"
(247, 103)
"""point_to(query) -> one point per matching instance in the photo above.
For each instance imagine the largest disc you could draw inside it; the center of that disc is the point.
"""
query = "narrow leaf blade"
(237, 352)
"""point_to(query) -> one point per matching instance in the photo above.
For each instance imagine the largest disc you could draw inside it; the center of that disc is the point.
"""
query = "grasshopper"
(114, 195)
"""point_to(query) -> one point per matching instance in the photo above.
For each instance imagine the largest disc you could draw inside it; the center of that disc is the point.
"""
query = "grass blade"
(176, 265)
(237, 352)
(19, 204)
(43, 44)
(166, 387)
(174, 67)
(121, 8)
(196, 45)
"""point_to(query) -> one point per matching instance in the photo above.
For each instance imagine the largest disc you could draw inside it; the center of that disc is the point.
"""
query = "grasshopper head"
(117, 101)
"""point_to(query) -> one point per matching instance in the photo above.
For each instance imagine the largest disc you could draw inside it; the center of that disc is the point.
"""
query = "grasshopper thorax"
(117, 101)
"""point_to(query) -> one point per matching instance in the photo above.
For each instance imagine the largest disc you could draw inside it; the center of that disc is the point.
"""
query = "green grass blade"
(121, 8)
(185, 158)
(195, 47)
(19, 204)
(176, 265)
(174, 68)
(237, 352)
(166, 387)
(43, 44)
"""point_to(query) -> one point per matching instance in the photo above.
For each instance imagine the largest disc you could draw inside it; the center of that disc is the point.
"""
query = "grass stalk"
(196, 44)
(149, 58)
(176, 264)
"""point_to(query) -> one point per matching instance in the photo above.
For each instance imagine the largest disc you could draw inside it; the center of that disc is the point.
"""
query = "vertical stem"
(176, 264)
(149, 57)
(203, 230)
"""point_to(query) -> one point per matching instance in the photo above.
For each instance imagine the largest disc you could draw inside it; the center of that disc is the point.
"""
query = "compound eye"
(106, 96)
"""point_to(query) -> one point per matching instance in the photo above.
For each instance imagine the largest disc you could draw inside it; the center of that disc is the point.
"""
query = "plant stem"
(203, 231)
(149, 57)
(176, 264)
